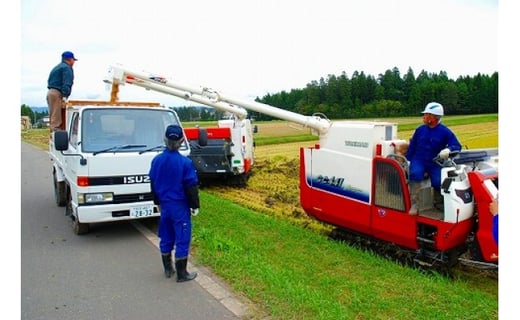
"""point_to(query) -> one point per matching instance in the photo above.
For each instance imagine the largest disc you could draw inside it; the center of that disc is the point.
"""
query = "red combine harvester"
(355, 179)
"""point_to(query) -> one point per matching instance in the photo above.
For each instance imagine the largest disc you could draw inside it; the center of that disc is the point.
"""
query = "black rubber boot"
(167, 263)
(414, 197)
(182, 274)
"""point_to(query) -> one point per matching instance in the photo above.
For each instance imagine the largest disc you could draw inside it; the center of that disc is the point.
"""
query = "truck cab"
(102, 158)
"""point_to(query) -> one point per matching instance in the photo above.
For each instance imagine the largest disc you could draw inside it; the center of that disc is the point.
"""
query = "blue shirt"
(171, 173)
(426, 142)
(61, 78)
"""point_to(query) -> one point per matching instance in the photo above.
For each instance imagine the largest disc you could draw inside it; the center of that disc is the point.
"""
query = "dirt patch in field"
(273, 187)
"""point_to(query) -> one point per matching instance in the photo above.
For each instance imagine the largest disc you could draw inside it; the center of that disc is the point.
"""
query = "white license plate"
(142, 211)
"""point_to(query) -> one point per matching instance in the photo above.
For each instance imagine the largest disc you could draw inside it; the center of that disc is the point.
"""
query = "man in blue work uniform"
(428, 141)
(61, 79)
(174, 186)
(493, 208)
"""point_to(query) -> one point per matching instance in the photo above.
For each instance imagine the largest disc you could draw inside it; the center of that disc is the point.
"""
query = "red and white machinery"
(225, 152)
(354, 179)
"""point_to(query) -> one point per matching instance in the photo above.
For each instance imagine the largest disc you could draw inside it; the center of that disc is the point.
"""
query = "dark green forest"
(389, 95)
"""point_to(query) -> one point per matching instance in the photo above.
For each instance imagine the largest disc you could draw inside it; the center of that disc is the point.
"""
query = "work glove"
(194, 212)
(445, 153)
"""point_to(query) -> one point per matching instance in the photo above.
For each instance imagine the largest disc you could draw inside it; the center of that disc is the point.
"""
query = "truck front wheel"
(79, 228)
(60, 191)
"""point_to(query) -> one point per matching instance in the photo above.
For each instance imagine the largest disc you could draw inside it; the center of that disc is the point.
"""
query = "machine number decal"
(333, 181)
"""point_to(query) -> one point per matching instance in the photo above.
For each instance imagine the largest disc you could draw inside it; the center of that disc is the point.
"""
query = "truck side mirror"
(61, 143)
(61, 140)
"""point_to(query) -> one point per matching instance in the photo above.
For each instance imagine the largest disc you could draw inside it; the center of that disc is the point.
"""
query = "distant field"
(473, 131)
(482, 132)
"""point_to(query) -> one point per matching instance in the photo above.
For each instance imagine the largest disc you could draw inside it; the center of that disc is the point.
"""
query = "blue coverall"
(171, 174)
(426, 143)
(495, 228)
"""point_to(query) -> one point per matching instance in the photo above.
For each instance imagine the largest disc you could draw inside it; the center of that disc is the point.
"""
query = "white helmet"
(434, 108)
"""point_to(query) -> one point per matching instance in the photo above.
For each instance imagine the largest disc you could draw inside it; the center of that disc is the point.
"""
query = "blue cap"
(174, 132)
(68, 55)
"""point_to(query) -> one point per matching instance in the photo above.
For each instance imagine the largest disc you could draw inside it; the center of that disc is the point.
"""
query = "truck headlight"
(91, 198)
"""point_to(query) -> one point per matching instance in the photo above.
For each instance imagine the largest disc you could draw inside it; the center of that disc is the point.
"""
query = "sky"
(250, 48)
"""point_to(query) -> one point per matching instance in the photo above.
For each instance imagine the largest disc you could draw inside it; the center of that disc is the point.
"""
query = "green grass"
(295, 273)
(290, 272)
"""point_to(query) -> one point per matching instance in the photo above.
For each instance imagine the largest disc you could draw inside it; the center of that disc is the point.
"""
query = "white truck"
(100, 161)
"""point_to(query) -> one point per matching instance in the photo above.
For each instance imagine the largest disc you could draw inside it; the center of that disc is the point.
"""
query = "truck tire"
(60, 191)
(79, 228)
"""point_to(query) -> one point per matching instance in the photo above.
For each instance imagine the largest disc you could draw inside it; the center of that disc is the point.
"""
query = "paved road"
(114, 272)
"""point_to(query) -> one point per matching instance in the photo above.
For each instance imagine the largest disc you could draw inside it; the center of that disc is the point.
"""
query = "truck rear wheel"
(60, 192)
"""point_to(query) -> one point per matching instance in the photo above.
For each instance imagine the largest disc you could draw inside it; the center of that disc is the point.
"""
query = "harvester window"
(388, 178)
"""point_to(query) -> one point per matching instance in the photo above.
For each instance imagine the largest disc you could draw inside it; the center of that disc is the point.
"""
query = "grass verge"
(294, 273)
(291, 272)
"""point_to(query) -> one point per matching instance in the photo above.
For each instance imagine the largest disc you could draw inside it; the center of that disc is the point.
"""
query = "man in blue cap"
(59, 84)
(174, 186)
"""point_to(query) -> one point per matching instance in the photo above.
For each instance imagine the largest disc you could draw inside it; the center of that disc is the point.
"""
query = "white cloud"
(249, 48)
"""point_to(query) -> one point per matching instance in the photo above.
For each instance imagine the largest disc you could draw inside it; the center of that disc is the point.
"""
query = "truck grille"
(137, 197)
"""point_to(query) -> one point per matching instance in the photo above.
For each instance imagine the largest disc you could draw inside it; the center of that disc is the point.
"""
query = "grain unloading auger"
(211, 97)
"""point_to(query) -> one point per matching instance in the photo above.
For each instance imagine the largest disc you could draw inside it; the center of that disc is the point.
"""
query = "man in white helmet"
(429, 140)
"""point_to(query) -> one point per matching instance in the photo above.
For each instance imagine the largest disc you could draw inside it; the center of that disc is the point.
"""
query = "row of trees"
(390, 95)
(364, 96)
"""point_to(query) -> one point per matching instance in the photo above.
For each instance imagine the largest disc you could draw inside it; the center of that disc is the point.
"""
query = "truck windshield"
(124, 129)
